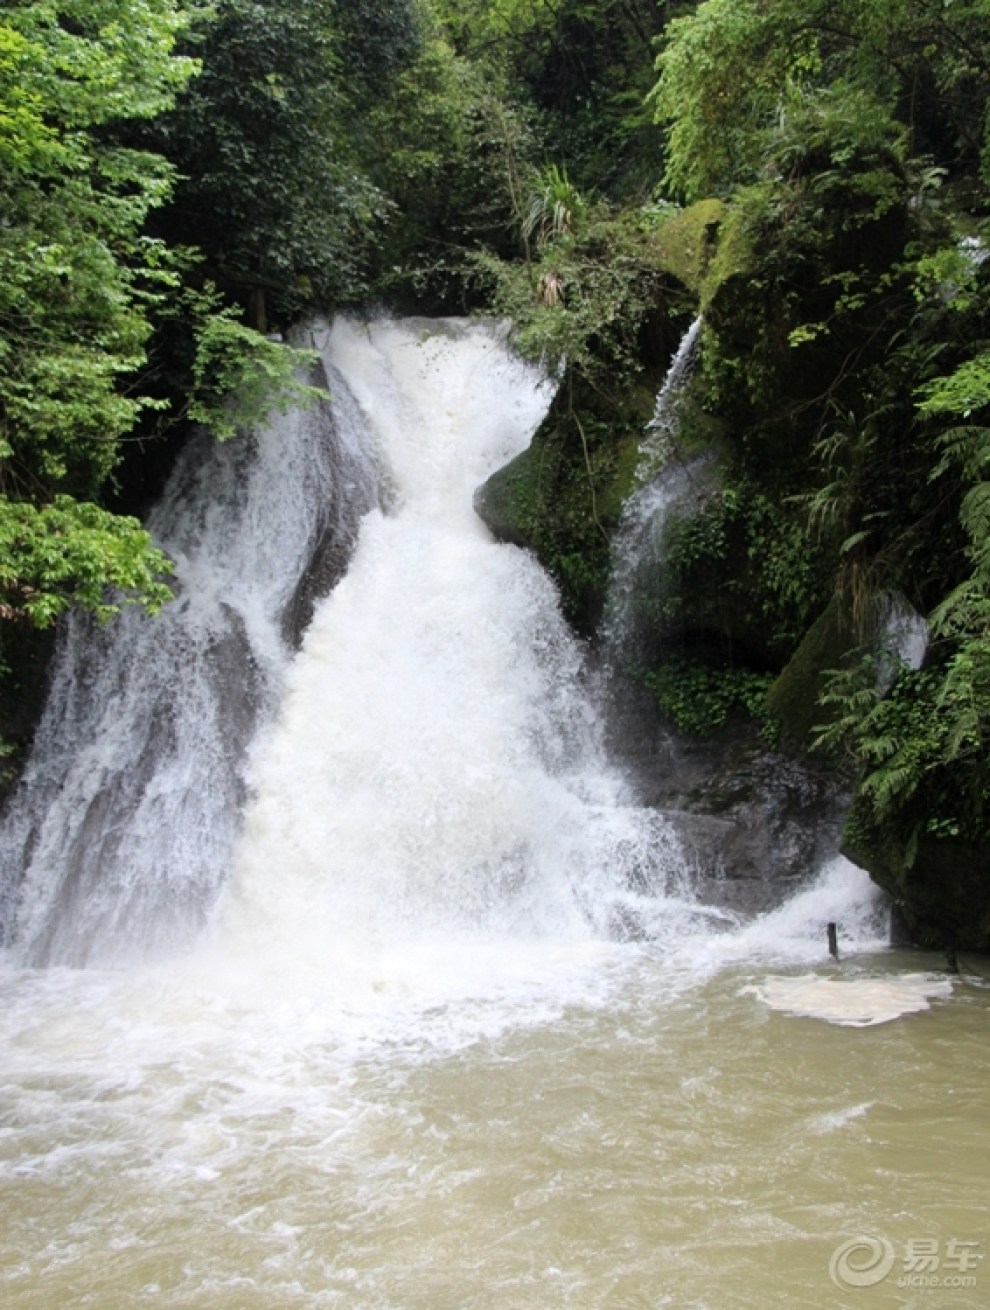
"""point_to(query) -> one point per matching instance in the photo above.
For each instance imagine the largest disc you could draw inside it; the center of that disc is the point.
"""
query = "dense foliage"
(77, 278)
(84, 285)
(847, 313)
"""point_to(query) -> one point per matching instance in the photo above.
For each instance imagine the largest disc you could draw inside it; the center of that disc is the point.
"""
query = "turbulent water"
(448, 1028)
(436, 767)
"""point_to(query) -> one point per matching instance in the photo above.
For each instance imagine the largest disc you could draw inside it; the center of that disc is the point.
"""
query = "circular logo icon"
(861, 1262)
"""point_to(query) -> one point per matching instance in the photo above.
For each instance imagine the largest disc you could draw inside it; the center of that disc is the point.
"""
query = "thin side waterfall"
(121, 833)
(663, 426)
(664, 482)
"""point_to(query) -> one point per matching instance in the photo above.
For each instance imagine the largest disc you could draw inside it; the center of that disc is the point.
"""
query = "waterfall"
(437, 770)
(362, 722)
(665, 480)
(120, 835)
(663, 426)
(435, 765)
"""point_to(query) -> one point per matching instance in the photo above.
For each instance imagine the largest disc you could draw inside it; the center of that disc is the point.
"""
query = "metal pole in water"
(833, 941)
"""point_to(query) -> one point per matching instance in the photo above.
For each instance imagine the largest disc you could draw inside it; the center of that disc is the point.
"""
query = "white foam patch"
(852, 1002)
(834, 1121)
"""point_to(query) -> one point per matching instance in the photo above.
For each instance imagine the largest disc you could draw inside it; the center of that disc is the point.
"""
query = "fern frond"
(889, 787)
(974, 514)
(962, 392)
(966, 448)
(965, 612)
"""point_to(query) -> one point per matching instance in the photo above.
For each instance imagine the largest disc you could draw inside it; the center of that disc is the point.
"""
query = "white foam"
(857, 1002)
(436, 779)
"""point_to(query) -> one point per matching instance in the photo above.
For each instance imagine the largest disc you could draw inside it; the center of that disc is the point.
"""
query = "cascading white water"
(121, 833)
(436, 769)
(662, 428)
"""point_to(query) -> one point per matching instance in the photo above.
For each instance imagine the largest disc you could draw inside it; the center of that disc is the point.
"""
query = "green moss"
(736, 251)
(509, 501)
(687, 241)
(613, 495)
(700, 699)
(698, 430)
(563, 496)
(793, 700)
(739, 568)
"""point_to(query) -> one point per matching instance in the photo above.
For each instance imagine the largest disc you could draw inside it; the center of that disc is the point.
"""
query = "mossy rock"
(687, 242)
(734, 254)
(508, 501)
(793, 699)
(562, 498)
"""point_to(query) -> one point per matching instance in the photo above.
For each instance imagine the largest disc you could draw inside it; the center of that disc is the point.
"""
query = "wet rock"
(755, 823)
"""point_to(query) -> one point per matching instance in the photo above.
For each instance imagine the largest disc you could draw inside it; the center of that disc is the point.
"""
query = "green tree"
(78, 283)
(584, 68)
(732, 72)
(273, 187)
(459, 151)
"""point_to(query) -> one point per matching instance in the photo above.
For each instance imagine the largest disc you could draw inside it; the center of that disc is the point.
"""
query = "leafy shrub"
(700, 699)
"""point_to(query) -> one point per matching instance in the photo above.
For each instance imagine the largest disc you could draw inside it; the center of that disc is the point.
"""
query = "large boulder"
(562, 497)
